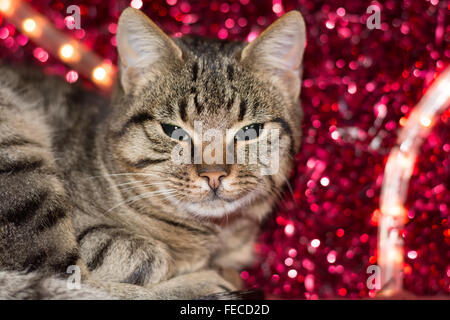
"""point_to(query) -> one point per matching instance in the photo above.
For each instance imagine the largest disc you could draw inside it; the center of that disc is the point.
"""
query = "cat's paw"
(192, 286)
(211, 282)
(236, 295)
(232, 276)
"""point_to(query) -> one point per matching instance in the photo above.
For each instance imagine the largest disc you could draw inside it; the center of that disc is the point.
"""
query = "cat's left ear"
(278, 52)
(144, 49)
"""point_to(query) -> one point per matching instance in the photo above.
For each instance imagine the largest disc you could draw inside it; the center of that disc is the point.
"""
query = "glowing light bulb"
(99, 74)
(5, 6)
(66, 51)
(29, 25)
(425, 121)
(103, 74)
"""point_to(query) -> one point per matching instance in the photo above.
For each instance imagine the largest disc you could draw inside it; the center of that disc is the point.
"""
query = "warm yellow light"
(99, 74)
(394, 210)
(29, 25)
(5, 6)
(425, 121)
(66, 51)
(103, 75)
(405, 161)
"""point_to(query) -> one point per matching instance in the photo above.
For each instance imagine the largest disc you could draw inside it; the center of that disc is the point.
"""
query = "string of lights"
(397, 174)
(39, 29)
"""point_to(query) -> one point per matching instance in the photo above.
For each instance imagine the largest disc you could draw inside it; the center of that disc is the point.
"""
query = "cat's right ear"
(277, 52)
(143, 47)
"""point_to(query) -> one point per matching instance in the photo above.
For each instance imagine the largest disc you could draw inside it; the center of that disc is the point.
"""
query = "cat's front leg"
(35, 226)
(112, 253)
(196, 285)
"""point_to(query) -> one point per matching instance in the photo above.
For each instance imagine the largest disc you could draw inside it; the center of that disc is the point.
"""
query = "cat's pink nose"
(214, 177)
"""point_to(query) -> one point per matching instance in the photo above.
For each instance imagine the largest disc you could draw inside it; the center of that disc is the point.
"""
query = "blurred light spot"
(425, 121)
(289, 229)
(222, 34)
(292, 273)
(315, 243)
(325, 181)
(309, 282)
(72, 76)
(29, 25)
(252, 36)
(40, 54)
(288, 262)
(412, 254)
(331, 257)
(340, 12)
(99, 73)
(66, 51)
(137, 4)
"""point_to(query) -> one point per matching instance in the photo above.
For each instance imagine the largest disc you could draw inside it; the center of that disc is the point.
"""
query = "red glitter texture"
(358, 85)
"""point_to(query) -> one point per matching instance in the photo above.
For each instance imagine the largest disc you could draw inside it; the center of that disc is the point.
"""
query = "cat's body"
(89, 182)
(57, 130)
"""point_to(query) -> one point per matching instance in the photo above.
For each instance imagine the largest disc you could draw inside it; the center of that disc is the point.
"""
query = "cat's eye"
(249, 132)
(175, 132)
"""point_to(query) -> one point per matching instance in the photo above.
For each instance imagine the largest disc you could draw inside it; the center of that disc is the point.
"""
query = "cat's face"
(208, 126)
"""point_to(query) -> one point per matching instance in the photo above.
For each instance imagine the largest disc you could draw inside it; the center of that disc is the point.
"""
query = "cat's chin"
(217, 207)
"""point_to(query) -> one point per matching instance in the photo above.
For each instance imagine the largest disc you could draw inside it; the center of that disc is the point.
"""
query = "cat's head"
(188, 108)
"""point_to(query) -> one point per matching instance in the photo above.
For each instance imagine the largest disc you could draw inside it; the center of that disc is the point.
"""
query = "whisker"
(124, 174)
(182, 196)
(144, 185)
(173, 192)
(145, 197)
(124, 184)
(291, 190)
(141, 196)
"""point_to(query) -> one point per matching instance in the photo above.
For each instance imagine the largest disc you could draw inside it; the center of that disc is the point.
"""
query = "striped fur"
(88, 181)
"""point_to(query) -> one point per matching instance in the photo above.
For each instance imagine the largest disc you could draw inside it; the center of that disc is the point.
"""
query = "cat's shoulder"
(29, 82)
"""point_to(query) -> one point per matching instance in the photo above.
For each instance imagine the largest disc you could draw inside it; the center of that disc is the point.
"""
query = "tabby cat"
(90, 182)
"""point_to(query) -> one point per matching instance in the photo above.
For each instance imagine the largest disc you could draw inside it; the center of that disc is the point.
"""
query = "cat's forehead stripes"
(242, 109)
(195, 71)
(182, 105)
(230, 72)
(210, 90)
(198, 105)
